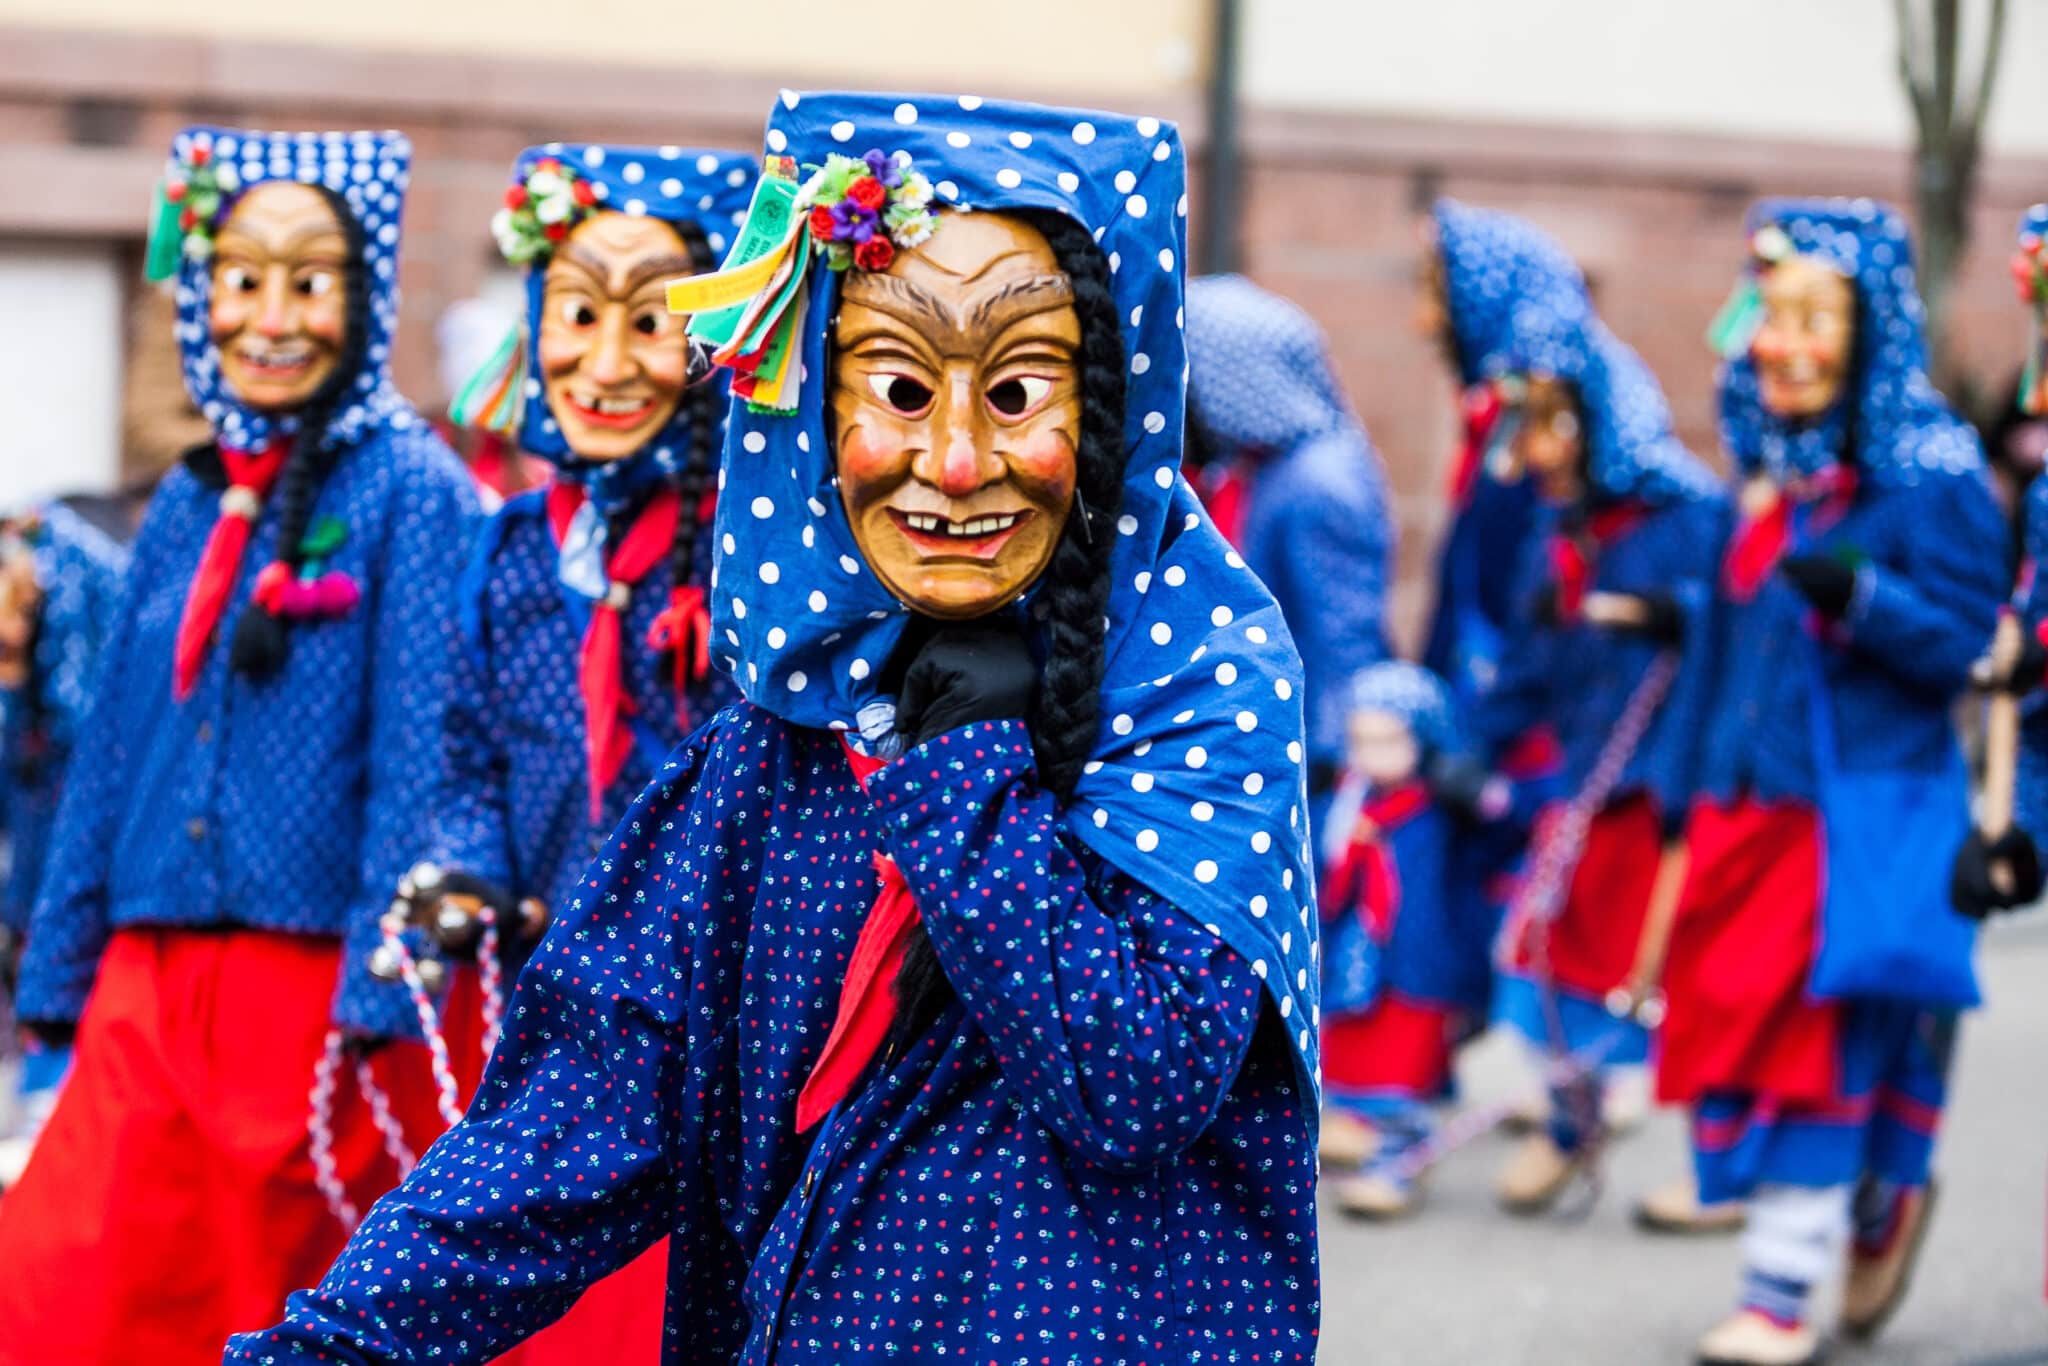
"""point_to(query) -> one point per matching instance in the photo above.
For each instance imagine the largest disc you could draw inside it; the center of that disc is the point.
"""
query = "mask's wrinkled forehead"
(799, 618)
(368, 172)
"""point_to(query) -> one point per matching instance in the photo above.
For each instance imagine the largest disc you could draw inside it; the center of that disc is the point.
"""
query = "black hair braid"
(1074, 592)
(261, 642)
(704, 404)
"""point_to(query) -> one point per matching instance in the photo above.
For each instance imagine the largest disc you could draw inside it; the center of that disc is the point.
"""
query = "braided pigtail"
(1074, 591)
(261, 643)
(704, 405)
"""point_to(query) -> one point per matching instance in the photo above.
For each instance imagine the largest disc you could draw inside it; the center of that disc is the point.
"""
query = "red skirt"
(1738, 1014)
(1398, 1048)
(1594, 938)
(170, 1201)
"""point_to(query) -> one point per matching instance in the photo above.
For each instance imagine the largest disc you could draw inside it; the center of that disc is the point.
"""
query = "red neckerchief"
(1225, 488)
(1572, 553)
(606, 706)
(1761, 541)
(250, 476)
(682, 630)
(867, 998)
(1366, 879)
(1480, 410)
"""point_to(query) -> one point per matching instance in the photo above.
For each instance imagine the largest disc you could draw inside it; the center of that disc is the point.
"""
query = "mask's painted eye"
(1018, 395)
(240, 279)
(577, 313)
(650, 323)
(316, 283)
(901, 392)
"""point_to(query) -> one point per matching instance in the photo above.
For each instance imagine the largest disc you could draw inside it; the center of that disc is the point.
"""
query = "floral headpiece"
(866, 207)
(851, 211)
(539, 211)
(2030, 276)
(1735, 326)
(191, 200)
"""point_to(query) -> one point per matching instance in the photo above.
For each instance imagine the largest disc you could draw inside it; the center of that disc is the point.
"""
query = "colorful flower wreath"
(540, 210)
(863, 208)
(191, 201)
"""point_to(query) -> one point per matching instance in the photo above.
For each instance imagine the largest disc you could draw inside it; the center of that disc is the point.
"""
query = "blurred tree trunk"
(1949, 116)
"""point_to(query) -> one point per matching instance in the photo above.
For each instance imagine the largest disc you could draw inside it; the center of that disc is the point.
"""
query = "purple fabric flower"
(884, 168)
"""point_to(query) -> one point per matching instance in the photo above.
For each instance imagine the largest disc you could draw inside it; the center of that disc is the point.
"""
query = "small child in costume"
(1405, 946)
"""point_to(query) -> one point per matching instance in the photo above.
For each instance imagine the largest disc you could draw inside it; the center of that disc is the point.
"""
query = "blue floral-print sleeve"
(1927, 617)
(68, 927)
(415, 643)
(587, 1138)
(1115, 1017)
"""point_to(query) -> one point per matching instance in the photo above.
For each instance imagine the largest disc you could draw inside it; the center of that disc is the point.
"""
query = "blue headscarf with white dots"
(1259, 369)
(2034, 222)
(1414, 694)
(369, 171)
(682, 186)
(1494, 266)
(1632, 451)
(1890, 416)
(1195, 785)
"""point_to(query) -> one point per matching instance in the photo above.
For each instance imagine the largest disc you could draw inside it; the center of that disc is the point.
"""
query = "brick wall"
(1329, 201)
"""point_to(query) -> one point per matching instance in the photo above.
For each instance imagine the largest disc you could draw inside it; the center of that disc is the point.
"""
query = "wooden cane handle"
(1624, 610)
(2001, 732)
(1662, 914)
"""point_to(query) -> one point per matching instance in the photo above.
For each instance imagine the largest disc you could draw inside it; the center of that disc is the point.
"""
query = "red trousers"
(1739, 1017)
(1399, 1048)
(1594, 938)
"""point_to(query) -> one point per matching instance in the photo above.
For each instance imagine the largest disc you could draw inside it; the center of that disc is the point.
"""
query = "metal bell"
(384, 964)
(433, 974)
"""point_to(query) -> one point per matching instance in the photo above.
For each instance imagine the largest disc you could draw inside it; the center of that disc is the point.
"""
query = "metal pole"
(1219, 205)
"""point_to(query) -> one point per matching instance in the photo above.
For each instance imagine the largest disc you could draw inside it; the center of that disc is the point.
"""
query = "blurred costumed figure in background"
(1286, 470)
(249, 781)
(1815, 966)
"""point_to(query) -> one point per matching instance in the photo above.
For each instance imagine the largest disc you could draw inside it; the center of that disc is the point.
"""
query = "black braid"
(262, 642)
(1074, 591)
(704, 404)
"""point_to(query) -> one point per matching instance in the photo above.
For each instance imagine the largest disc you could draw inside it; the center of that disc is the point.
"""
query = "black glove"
(1461, 784)
(1662, 622)
(1543, 608)
(2028, 669)
(1825, 582)
(975, 671)
(51, 1033)
(1970, 889)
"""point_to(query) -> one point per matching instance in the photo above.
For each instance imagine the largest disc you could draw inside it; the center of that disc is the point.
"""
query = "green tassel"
(323, 538)
(2033, 397)
(166, 248)
(491, 399)
(1734, 327)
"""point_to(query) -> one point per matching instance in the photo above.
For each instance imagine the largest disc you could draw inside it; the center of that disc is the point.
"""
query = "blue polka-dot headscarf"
(1259, 370)
(1195, 784)
(1494, 265)
(1414, 694)
(1632, 451)
(1892, 420)
(687, 187)
(369, 171)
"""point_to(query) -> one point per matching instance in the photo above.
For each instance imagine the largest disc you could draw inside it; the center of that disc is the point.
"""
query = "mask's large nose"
(962, 456)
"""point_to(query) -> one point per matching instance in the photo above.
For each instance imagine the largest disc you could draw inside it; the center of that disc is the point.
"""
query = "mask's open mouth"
(620, 414)
(979, 537)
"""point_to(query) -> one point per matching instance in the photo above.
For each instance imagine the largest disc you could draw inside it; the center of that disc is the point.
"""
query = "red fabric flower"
(201, 155)
(874, 254)
(557, 231)
(187, 220)
(548, 164)
(515, 197)
(175, 192)
(585, 195)
(866, 193)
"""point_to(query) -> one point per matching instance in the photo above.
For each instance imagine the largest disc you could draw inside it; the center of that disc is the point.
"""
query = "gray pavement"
(1463, 1283)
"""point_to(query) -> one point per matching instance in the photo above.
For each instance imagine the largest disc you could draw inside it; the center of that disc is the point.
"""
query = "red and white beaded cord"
(447, 1097)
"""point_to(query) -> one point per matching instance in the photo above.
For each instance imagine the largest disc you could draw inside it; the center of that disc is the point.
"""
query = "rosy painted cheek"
(1045, 459)
(558, 358)
(871, 460)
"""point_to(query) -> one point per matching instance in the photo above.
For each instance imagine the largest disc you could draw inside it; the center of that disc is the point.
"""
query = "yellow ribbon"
(724, 288)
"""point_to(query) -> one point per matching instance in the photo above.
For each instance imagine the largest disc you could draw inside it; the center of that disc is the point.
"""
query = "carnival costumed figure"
(1999, 866)
(1478, 265)
(1608, 653)
(977, 930)
(585, 609)
(1815, 965)
(250, 780)
(1404, 963)
(1287, 472)
(60, 582)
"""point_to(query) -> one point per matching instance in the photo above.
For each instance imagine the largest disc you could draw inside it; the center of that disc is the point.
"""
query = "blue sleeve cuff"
(971, 762)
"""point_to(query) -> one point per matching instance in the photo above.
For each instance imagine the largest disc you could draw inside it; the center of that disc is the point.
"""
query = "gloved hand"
(1661, 621)
(2028, 669)
(1970, 888)
(1825, 582)
(1460, 783)
(973, 671)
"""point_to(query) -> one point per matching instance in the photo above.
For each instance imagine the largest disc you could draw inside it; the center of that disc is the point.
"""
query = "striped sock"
(1780, 1299)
